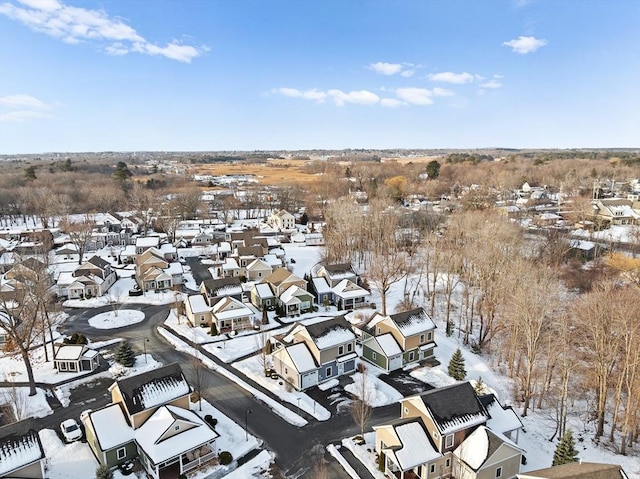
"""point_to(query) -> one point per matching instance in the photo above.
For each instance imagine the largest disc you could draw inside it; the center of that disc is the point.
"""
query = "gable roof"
(110, 426)
(416, 447)
(279, 276)
(339, 268)
(479, 446)
(215, 287)
(412, 322)
(327, 334)
(577, 470)
(454, 407)
(301, 357)
(20, 446)
(153, 388)
(99, 262)
(501, 419)
(152, 439)
(348, 289)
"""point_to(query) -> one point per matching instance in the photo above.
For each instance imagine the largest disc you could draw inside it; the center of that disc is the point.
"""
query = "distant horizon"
(253, 75)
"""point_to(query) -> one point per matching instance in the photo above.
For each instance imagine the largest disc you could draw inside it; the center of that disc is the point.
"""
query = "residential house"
(197, 310)
(21, 451)
(281, 279)
(90, 279)
(348, 295)
(257, 270)
(577, 470)
(458, 441)
(149, 418)
(618, 211)
(295, 301)
(262, 296)
(216, 289)
(143, 243)
(230, 314)
(282, 221)
(502, 419)
(335, 273)
(76, 358)
(309, 355)
(27, 269)
(391, 342)
(154, 272)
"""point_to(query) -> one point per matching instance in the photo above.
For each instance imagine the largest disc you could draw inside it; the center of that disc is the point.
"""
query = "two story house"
(393, 341)
(155, 272)
(308, 355)
(149, 418)
(450, 439)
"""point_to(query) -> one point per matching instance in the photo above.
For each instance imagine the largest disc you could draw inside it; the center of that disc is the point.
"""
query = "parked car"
(70, 430)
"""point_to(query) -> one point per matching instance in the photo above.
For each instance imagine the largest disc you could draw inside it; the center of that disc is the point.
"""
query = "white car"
(70, 430)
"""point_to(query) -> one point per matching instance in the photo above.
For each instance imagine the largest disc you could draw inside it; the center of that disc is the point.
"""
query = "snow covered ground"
(116, 319)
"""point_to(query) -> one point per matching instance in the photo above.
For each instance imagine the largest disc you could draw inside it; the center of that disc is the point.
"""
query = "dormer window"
(448, 441)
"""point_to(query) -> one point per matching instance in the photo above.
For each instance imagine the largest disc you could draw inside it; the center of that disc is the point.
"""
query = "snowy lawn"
(376, 392)
(258, 467)
(365, 453)
(24, 405)
(116, 319)
(67, 461)
(253, 369)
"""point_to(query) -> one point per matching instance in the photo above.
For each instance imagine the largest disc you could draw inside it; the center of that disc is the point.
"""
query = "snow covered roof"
(479, 446)
(416, 447)
(413, 322)
(147, 241)
(230, 263)
(502, 419)
(454, 407)
(272, 260)
(348, 289)
(70, 352)
(174, 269)
(334, 332)
(153, 388)
(264, 290)
(228, 308)
(111, 426)
(389, 345)
(321, 286)
(191, 433)
(19, 446)
(198, 304)
(302, 358)
(290, 296)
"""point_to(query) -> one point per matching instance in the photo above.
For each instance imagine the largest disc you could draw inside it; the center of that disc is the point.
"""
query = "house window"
(421, 338)
(374, 356)
(498, 472)
(286, 371)
(121, 453)
(411, 356)
(328, 371)
(447, 463)
(177, 427)
(341, 350)
(448, 441)
(349, 347)
(429, 336)
(379, 330)
(432, 469)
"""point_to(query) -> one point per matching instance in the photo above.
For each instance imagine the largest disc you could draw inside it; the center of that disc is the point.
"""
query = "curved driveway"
(294, 446)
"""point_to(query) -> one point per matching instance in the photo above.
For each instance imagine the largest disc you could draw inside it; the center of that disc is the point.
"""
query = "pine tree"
(124, 354)
(214, 329)
(480, 388)
(566, 452)
(456, 366)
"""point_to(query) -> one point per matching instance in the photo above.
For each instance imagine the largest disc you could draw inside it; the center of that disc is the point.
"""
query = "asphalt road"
(296, 448)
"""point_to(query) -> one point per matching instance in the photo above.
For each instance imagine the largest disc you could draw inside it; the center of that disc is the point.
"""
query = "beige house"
(231, 315)
(197, 310)
(282, 220)
(257, 270)
(281, 279)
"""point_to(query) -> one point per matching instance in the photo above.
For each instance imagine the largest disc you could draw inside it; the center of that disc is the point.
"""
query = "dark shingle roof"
(339, 268)
(451, 404)
(212, 286)
(99, 262)
(132, 388)
(320, 329)
(19, 436)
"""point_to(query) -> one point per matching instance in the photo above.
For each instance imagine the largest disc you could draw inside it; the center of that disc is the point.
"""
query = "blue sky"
(194, 75)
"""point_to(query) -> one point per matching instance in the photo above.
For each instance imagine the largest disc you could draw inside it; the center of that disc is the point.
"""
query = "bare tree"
(263, 345)
(197, 378)
(114, 298)
(361, 409)
(80, 233)
(17, 401)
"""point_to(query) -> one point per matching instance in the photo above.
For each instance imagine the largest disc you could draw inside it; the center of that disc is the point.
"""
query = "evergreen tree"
(566, 452)
(456, 366)
(214, 329)
(104, 472)
(433, 169)
(124, 354)
(480, 388)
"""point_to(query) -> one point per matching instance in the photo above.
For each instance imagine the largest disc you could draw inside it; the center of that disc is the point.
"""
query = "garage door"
(395, 363)
(309, 379)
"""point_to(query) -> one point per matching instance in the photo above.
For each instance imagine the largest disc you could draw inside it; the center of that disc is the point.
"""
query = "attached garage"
(309, 379)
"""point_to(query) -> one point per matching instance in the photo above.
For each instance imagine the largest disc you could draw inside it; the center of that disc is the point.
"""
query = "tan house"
(154, 272)
(197, 310)
(282, 220)
(460, 443)
(281, 279)
(231, 315)
(257, 270)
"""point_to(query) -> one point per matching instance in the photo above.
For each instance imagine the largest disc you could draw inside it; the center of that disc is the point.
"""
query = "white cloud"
(313, 94)
(407, 73)
(415, 96)
(361, 97)
(524, 45)
(74, 25)
(450, 77)
(391, 102)
(493, 84)
(24, 107)
(386, 68)
(442, 92)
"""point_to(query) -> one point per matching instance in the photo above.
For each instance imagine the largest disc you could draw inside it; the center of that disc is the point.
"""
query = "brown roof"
(577, 470)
